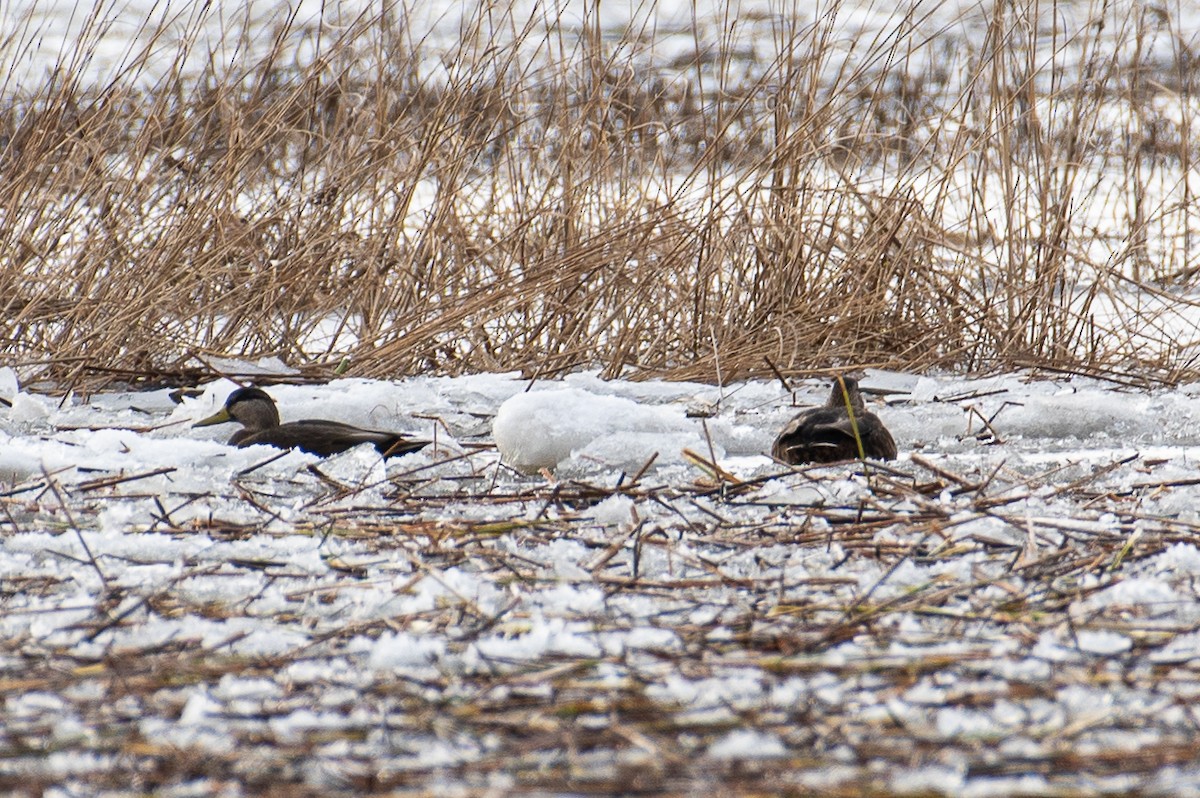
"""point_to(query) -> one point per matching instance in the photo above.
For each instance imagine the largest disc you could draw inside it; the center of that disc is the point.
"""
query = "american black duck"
(255, 410)
(843, 429)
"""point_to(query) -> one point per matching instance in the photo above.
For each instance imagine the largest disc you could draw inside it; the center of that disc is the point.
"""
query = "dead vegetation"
(739, 610)
(951, 190)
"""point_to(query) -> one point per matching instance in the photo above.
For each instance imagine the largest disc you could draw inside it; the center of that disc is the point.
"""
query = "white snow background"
(1011, 607)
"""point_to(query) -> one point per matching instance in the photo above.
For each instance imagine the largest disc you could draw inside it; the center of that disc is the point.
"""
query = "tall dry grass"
(538, 192)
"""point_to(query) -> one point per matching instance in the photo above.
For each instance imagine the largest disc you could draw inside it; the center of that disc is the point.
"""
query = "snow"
(399, 649)
(297, 595)
(459, 614)
(747, 744)
(543, 429)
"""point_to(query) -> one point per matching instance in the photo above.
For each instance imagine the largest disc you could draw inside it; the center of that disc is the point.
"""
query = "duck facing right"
(841, 429)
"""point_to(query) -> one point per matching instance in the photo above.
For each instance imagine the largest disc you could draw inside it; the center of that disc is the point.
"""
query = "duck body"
(255, 410)
(832, 433)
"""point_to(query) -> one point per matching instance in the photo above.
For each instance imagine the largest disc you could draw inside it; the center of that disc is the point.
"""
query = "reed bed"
(940, 188)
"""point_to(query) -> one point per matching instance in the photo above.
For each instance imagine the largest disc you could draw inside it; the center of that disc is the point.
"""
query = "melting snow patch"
(293, 726)
(1102, 642)
(646, 639)
(549, 636)
(1004, 787)
(747, 744)
(541, 429)
(616, 510)
(9, 385)
(955, 722)
(1185, 648)
(567, 599)
(400, 649)
(29, 410)
(741, 689)
(1077, 414)
(929, 780)
(198, 709)
(1144, 592)
(1179, 558)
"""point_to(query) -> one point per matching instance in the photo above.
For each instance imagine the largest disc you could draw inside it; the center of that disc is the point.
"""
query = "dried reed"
(542, 194)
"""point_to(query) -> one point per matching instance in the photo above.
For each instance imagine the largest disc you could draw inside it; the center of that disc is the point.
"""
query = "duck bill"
(219, 417)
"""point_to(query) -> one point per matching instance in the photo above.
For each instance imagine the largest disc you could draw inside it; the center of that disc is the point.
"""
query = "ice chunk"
(541, 429)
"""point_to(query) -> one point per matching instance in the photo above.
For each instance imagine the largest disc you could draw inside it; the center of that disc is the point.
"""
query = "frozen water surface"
(1019, 587)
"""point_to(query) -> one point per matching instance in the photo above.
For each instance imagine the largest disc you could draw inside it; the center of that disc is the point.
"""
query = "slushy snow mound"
(544, 428)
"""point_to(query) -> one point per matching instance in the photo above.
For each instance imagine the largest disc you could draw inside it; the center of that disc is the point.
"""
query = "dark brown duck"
(828, 434)
(255, 410)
